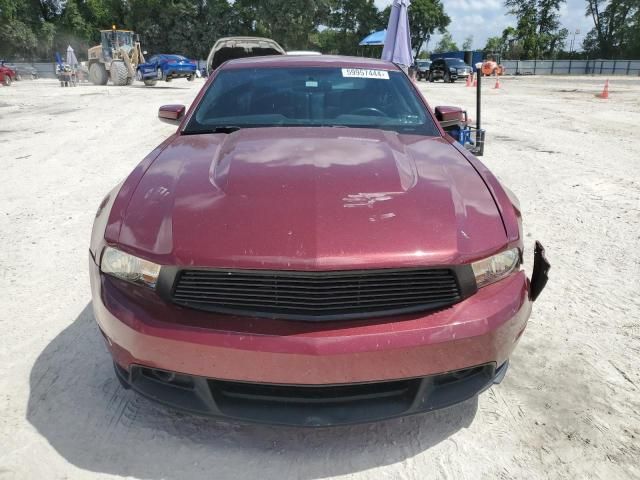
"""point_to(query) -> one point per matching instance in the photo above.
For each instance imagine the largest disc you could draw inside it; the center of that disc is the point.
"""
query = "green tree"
(292, 23)
(538, 26)
(425, 18)
(446, 44)
(494, 45)
(349, 21)
(468, 43)
(17, 39)
(616, 31)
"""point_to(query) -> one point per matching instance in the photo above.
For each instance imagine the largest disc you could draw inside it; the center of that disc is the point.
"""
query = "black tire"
(191, 78)
(7, 81)
(447, 77)
(119, 73)
(98, 74)
(431, 77)
(150, 83)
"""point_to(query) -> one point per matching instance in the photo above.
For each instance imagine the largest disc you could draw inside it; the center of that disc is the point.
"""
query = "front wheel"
(150, 83)
(119, 73)
(7, 81)
(98, 74)
(431, 77)
(191, 78)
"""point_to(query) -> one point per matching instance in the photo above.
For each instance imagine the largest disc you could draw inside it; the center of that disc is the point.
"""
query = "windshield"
(456, 61)
(310, 97)
(174, 58)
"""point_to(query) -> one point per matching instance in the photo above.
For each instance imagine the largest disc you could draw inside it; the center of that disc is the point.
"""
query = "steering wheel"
(371, 110)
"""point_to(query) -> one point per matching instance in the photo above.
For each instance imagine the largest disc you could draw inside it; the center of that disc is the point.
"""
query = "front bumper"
(208, 351)
(309, 406)
(461, 74)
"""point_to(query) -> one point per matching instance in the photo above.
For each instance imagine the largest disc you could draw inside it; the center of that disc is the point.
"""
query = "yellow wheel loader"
(116, 58)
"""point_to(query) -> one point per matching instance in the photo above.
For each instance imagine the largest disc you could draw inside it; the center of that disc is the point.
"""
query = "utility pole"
(577, 32)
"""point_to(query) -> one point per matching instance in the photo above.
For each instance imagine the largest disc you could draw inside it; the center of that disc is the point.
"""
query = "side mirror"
(171, 113)
(450, 116)
(144, 52)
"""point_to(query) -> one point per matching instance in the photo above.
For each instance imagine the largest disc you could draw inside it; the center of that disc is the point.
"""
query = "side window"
(152, 59)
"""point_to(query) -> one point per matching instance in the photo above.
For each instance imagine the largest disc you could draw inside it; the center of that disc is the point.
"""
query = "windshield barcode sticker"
(365, 73)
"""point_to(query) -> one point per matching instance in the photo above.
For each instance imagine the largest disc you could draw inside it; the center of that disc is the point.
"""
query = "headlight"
(496, 267)
(129, 268)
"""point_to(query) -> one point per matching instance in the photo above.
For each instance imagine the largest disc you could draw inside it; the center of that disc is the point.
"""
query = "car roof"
(309, 61)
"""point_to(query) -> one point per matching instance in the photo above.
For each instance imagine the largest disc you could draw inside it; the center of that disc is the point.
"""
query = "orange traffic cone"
(497, 85)
(605, 90)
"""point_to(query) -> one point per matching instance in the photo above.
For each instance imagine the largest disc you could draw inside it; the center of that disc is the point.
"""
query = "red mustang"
(310, 248)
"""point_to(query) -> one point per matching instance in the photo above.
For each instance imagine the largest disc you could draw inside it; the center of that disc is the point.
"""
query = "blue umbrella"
(397, 44)
(376, 38)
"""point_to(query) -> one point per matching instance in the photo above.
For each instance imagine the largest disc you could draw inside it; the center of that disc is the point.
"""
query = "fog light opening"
(168, 378)
(165, 377)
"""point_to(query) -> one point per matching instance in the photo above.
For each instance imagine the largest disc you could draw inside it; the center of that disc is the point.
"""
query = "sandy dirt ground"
(569, 407)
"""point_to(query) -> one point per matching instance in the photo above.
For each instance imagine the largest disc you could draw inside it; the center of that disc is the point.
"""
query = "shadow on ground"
(76, 403)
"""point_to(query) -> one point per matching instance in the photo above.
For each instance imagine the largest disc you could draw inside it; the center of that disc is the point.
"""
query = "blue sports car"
(165, 67)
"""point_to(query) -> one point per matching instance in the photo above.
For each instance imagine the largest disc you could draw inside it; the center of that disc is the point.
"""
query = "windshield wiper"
(224, 129)
(219, 129)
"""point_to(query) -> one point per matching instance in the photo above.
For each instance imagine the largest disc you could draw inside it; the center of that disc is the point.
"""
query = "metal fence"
(513, 67)
(572, 67)
(48, 69)
(45, 69)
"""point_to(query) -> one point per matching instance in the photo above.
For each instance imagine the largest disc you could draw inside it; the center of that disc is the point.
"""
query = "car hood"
(311, 198)
(240, 47)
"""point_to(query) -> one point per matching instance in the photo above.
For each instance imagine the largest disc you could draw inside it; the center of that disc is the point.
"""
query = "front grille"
(317, 295)
(314, 405)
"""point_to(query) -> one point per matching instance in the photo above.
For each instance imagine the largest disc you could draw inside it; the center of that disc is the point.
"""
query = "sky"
(487, 18)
